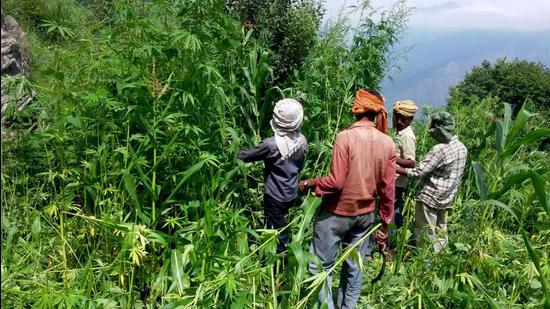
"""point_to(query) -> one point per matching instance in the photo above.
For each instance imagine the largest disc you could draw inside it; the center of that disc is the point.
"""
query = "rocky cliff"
(15, 62)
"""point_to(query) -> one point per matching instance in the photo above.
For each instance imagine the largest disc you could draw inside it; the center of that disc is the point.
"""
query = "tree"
(289, 28)
(370, 55)
(510, 81)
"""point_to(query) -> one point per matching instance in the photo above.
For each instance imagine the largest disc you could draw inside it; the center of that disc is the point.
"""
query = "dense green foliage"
(289, 28)
(510, 81)
(127, 192)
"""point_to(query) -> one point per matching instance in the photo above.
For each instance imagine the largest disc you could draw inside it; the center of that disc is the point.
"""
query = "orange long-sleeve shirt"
(363, 167)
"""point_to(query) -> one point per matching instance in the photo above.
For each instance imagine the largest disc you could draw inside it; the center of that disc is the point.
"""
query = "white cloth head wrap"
(287, 118)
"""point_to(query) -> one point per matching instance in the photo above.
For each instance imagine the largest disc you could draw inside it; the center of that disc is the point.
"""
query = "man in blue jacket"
(283, 155)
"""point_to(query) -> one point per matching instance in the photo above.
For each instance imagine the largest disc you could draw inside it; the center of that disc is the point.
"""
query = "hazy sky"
(467, 14)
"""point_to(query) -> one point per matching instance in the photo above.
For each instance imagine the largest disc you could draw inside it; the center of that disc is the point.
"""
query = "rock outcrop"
(15, 62)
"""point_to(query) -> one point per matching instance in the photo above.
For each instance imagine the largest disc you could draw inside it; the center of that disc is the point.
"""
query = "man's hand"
(400, 170)
(381, 238)
(306, 185)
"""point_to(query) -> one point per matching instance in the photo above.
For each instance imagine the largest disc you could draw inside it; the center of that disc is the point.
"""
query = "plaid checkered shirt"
(440, 174)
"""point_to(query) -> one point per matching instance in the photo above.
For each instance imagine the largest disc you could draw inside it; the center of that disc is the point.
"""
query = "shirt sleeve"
(301, 163)
(409, 148)
(430, 162)
(387, 189)
(258, 153)
(334, 182)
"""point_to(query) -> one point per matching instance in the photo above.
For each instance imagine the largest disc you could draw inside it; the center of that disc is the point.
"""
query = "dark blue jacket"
(280, 176)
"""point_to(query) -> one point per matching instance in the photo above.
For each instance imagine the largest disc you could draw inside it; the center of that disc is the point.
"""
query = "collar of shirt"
(362, 123)
(454, 138)
(404, 131)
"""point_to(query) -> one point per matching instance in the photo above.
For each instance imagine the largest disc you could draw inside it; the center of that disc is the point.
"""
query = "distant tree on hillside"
(289, 28)
(510, 81)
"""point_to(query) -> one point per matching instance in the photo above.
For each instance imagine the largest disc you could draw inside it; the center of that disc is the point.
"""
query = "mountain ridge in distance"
(438, 59)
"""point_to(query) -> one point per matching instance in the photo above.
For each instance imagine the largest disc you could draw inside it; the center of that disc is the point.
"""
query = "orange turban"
(371, 101)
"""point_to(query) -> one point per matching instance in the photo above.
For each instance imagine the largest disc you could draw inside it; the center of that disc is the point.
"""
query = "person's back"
(368, 151)
(280, 175)
(363, 168)
(440, 174)
(283, 155)
(438, 188)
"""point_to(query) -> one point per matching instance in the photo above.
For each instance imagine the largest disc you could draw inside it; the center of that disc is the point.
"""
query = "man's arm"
(258, 153)
(408, 144)
(400, 170)
(387, 190)
(430, 162)
(334, 182)
(405, 163)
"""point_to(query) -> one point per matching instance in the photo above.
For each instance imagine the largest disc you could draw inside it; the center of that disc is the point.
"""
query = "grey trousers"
(331, 231)
(430, 223)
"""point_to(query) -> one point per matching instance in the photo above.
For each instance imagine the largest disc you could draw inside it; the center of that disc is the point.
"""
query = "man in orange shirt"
(363, 168)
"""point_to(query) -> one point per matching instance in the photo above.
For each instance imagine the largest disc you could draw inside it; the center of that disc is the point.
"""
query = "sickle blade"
(382, 269)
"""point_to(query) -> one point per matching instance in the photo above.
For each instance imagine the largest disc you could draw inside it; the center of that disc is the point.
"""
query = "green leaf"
(161, 276)
(460, 246)
(188, 173)
(36, 228)
(480, 183)
(535, 284)
(59, 76)
(500, 137)
(540, 190)
(514, 180)
(74, 121)
(531, 137)
(507, 118)
(518, 125)
(158, 238)
(130, 186)
(249, 80)
(235, 140)
(247, 36)
(428, 301)
(249, 120)
(179, 304)
(310, 204)
(240, 302)
(534, 136)
(268, 238)
(536, 260)
(356, 257)
(178, 275)
(501, 205)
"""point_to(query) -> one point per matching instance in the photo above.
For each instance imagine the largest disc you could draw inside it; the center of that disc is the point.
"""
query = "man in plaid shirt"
(439, 176)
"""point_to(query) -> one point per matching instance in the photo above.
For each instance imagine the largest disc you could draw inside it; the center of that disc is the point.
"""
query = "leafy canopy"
(510, 81)
(289, 28)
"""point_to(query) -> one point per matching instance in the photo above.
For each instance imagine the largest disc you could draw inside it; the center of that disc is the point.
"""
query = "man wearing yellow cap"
(405, 146)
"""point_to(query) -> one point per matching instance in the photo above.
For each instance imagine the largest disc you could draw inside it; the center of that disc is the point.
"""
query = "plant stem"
(131, 287)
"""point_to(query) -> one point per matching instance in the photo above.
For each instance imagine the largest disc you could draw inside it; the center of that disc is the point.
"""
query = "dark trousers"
(275, 218)
(397, 214)
(399, 203)
(330, 232)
